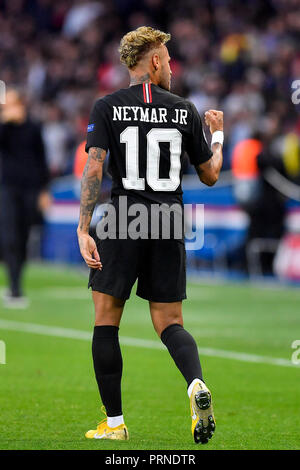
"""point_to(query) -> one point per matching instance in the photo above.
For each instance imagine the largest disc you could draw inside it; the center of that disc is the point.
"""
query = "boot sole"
(206, 425)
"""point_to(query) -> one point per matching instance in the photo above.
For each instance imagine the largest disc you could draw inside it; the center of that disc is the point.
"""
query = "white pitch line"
(79, 293)
(60, 332)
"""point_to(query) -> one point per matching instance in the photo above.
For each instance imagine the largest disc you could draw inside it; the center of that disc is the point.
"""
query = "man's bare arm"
(90, 186)
(209, 171)
(90, 191)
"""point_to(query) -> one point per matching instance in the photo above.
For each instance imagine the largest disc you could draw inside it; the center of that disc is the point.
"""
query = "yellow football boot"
(203, 421)
(103, 431)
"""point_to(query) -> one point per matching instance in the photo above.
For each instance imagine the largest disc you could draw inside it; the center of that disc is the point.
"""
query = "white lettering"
(296, 354)
(296, 93)
(137, 113)
(125, 113)
(176, 121)
(145, 114)
(153, 115)
(117, 113)
(183, 116)
(135, 110)
(162, 114)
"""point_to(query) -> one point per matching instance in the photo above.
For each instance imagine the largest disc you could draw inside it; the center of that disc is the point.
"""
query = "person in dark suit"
(24, 178)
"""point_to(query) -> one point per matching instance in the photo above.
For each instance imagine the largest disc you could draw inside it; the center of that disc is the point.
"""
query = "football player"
(146, 130)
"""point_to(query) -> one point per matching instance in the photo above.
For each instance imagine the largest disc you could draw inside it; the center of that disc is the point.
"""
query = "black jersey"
(147, 130)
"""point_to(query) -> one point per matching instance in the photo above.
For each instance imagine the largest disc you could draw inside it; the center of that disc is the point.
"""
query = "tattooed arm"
(90, 191)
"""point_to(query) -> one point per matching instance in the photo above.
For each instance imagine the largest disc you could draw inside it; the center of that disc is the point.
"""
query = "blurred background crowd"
(239, 56)
(242, 57)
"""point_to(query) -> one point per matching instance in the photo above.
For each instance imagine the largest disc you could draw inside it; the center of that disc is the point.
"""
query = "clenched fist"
(214, 119)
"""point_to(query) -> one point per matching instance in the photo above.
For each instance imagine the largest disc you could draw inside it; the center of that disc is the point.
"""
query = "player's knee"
(107, 317)
(164, 315)
(108, 309)
(162, 322)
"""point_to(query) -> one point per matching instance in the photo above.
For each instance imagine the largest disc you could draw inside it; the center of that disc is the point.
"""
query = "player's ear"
(155, 61)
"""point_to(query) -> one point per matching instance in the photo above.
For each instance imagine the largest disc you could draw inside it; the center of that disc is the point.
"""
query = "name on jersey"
(159, 115)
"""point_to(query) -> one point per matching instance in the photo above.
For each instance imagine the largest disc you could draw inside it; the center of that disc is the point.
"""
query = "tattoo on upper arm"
(97, 154)
(90, 187)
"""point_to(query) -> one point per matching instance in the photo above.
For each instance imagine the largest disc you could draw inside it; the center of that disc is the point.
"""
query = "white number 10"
(130, 137)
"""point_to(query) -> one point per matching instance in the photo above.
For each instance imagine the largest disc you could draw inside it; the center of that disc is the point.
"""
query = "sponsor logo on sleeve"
(90, 127)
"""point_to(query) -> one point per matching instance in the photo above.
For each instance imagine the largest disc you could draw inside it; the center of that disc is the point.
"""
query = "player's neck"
(138, 78)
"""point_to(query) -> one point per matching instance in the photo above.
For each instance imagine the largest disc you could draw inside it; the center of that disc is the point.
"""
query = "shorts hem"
(160, 300)
(111, 292)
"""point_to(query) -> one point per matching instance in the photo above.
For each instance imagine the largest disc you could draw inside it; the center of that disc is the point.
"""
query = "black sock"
(183, 349)
(108, 366)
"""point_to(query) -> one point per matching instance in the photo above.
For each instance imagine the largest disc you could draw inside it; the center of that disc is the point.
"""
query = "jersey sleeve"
(197, 147)
(97, 135)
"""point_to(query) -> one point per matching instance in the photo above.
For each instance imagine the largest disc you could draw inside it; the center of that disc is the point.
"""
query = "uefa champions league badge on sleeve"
(90, 127)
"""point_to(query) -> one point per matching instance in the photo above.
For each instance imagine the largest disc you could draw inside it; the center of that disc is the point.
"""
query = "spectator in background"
(239, 56)
(23, 189)
(57, 136)
(264, 204)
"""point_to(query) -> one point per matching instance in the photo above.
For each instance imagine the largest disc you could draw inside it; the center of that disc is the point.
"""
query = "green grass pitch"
(48, 395)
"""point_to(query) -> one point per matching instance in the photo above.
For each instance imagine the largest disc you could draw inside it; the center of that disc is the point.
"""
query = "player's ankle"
(115, 421)
(192, 384)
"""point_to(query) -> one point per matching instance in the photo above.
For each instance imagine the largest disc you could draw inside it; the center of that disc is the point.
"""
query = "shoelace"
(104, 419)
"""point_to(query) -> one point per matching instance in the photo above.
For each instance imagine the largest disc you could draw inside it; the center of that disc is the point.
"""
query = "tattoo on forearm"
(90, 187)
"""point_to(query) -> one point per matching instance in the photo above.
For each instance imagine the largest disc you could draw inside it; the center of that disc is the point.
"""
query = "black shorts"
(159, 266)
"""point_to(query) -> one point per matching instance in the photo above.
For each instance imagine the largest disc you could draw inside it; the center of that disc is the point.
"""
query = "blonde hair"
(136, 43)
